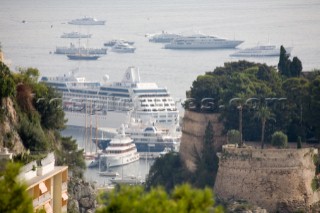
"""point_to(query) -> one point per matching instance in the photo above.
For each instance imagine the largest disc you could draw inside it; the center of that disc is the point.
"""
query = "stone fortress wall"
(193, 129)
(275, 179)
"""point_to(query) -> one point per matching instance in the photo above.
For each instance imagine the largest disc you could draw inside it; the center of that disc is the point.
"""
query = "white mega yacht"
(200, 41)
(261, 51)
(121, 151)
(164, 37)
(110, 104)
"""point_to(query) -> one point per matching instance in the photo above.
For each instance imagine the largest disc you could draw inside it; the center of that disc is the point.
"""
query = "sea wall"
(275, 179)
(193, 129)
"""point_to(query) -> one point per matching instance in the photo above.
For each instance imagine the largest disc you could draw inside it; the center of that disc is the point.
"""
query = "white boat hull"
(120, 160)
(204, 45)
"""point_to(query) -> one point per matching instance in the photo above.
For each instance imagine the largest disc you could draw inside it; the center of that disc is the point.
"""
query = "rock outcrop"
(82, 196)
(9, 136)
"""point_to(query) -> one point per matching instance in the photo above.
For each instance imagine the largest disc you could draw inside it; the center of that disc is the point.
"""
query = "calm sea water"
(288, 22)
(30, 44)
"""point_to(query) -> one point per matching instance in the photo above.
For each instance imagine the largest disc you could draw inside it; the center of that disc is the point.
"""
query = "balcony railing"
(64, 186)
(41, 199)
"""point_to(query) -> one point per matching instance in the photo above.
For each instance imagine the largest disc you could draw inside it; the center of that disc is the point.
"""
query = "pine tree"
(206, 161)
(284, 62)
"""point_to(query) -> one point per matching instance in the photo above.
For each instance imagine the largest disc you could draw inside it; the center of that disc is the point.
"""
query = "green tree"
(299, 143)
(7, 85)
(313, 110)
(295, 67)
(68, 154)
(263, 114)
(279, 139)
(284, 63)
(240, 103)
(183, 199)
(13, 195)
(167, 171)
(206, 161)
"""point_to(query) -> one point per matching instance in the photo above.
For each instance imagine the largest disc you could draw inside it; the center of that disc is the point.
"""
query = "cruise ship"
(110, 104)
(261, 51)
(87, 21)
(72, 49)
(200, 41)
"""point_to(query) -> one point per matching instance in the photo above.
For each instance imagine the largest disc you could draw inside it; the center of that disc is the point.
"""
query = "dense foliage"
(290, 99)
(182, 199)
(40, 119)
(13, 194)
(167, 171)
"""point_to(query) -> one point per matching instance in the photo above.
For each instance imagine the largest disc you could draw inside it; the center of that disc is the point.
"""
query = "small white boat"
(133, 180)
(121, 47)
(75, 35)
(109, 173)
(87, 21)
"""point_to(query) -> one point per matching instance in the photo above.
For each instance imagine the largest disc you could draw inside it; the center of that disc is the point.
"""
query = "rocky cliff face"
(193, 129)
(9, 136)
(82, 196)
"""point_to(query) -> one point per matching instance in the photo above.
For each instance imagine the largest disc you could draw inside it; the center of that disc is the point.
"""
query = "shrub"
(279, 139)
(233, 136)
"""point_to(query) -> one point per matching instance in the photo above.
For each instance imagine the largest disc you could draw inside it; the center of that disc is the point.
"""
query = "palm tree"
(264, 113)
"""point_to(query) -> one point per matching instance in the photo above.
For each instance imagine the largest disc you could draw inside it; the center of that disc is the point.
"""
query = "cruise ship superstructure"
(111, 104)
(200, 41)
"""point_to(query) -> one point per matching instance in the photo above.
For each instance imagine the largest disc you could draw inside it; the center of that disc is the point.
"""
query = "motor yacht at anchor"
(164, 37)
(72, 49)
(261, 51)
(75, 35)
(110, 104)
(83, 57)
(121, 151)
(86, 21)
(121, 47)
(200, 41)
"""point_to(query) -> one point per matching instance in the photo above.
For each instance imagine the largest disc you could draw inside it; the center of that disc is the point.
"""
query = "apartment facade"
(47, 185)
